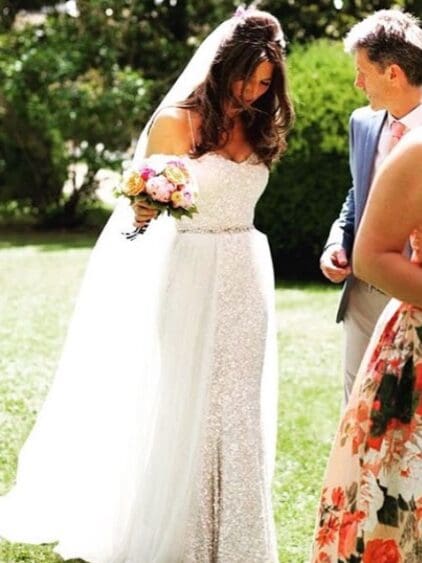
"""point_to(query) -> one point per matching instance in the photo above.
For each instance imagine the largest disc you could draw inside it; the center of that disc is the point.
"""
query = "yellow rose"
(176, 198)
(133, 184)
(175, 175)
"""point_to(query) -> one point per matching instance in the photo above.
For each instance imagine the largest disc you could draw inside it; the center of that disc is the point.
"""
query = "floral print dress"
(370, 509)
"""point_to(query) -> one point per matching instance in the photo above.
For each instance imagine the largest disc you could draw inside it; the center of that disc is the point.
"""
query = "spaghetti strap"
(191, 129)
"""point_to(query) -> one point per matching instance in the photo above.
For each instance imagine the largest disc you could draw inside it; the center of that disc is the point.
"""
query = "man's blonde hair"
(390, 37)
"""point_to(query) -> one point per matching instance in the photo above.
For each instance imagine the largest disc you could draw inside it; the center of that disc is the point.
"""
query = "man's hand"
(334, 263)
(143, 213)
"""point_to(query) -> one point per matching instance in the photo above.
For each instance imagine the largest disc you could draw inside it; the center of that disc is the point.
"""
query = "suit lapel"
(365, 168)
(373, 133)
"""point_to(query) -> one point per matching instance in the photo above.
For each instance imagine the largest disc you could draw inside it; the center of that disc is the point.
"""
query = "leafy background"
(77, 86)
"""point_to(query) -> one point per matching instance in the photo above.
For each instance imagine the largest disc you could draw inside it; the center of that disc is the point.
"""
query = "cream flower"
(133, 184)
(175, 174)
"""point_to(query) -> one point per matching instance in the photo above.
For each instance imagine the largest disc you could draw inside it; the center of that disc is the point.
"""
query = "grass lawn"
(39, 277)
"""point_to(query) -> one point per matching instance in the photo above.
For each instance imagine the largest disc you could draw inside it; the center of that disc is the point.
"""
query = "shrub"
(307, 187)
(57, 109)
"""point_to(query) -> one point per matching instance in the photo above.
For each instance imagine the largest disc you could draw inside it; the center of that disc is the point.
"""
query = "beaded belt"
(216, 230)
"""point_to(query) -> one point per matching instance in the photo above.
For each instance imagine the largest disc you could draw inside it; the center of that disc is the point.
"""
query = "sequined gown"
(370, 509)
(172, 459)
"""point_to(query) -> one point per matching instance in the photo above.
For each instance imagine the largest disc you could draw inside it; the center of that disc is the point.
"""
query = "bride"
(156, 443)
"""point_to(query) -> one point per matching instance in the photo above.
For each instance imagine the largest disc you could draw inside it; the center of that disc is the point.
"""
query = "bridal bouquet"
(164, 183)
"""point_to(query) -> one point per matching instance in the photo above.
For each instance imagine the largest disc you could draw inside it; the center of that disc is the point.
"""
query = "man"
(387, 48)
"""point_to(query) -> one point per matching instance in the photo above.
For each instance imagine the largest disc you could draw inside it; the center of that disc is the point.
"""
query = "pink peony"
(146, 173)
(159, 188)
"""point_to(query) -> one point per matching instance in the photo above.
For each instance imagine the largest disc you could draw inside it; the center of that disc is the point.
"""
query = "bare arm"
(169, 134)
(394, 210)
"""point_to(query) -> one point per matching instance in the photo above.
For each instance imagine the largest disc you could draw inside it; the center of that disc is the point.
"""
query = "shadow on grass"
(53, 236)
(48, 241)
(59, 240)
(320, 285)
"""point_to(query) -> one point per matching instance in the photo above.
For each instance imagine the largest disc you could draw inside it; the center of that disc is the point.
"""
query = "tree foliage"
(61, 105)
(10, 8)
(77, 90)
(304, 21)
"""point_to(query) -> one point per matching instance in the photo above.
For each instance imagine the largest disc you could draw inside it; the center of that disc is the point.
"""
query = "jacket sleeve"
(343, 229)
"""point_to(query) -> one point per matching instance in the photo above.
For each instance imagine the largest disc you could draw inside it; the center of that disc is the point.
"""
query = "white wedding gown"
(156, 443)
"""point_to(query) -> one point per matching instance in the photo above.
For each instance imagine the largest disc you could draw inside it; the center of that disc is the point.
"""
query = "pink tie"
(397, 130)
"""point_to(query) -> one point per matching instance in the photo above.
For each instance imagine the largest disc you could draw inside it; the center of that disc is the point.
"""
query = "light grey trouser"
(363, 309)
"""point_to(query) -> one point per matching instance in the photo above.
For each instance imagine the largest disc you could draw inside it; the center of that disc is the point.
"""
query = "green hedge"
(308, 186)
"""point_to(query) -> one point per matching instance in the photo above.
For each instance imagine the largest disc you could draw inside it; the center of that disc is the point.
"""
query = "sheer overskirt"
(111, 468)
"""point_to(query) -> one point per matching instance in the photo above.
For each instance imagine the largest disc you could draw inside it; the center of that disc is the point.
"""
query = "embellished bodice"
(227, 193)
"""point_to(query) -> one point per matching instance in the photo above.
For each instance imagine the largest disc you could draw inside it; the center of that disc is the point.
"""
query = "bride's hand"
(143, 213)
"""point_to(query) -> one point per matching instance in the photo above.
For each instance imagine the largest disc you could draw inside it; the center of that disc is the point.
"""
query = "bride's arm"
(394, 210)
(169, 134)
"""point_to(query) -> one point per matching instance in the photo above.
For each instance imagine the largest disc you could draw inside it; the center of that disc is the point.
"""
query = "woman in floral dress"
(370, 509)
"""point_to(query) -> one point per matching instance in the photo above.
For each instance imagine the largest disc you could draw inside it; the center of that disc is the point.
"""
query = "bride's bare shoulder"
(170, 132)
(171, 115)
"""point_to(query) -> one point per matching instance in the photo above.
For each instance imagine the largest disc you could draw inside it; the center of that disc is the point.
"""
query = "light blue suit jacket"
(364, 132)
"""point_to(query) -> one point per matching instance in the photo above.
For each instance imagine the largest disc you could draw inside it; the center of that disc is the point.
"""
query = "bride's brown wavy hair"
(256, 37)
